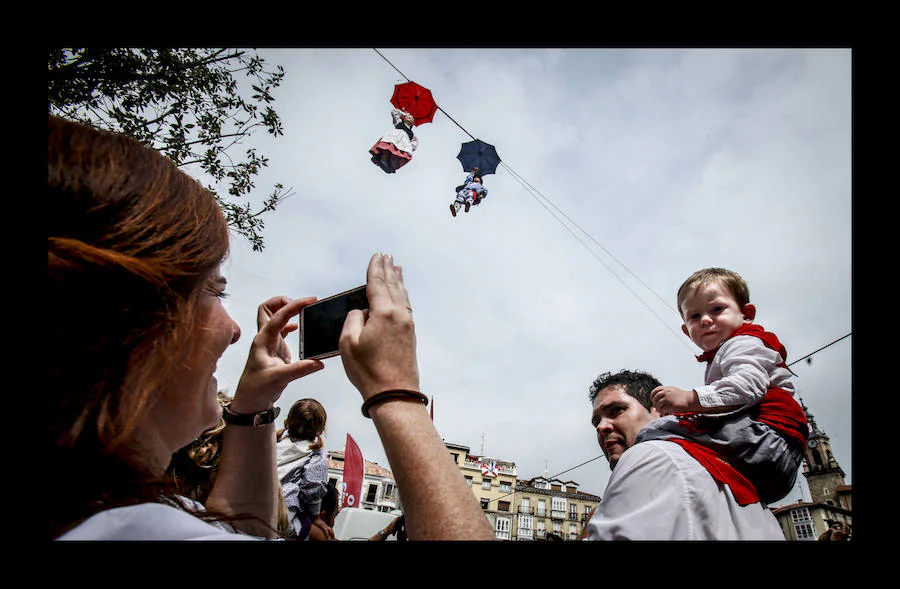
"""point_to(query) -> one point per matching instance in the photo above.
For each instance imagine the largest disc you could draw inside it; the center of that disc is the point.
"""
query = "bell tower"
(823, 474)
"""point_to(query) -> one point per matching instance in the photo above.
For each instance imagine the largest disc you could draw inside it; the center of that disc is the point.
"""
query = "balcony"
(557, 514)
(541, 512)
(526, 509)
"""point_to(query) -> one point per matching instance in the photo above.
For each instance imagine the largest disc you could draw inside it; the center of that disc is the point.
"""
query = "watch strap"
(250, 419)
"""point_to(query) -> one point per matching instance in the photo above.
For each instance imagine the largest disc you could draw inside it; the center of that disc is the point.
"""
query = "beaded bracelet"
(392, 394)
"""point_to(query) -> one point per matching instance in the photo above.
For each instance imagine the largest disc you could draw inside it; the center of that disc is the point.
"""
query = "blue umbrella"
(480, 154)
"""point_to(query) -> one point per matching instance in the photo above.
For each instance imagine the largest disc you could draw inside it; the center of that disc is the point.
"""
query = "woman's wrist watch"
(258, 419)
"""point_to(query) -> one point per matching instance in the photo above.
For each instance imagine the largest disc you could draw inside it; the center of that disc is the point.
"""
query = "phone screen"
(321, 322)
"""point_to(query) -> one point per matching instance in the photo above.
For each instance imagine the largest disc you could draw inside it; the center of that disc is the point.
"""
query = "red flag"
(432, 407)
(354, 468)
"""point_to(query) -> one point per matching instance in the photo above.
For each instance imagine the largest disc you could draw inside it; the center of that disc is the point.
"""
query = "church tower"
(823, 474)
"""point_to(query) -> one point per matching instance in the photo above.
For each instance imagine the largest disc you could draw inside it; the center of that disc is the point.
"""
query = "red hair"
(131, 241)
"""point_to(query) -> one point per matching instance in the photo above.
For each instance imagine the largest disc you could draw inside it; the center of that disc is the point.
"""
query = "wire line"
(820, 349)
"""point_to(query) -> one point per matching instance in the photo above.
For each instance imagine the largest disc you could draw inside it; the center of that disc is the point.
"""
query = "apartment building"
(493, 482)
(526, 509)
(550, 505)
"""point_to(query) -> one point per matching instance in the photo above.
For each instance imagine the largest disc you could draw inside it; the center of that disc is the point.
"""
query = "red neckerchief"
(767, 337)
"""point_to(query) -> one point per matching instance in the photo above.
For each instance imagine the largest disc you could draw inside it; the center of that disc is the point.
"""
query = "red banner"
(354, 469)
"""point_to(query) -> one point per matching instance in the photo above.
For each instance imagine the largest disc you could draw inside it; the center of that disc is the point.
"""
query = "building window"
(526, 522)
(501, 530)
(505, 487)
(557, 527)
(371, 493)
(484, 504)
(573, 511)
(503, 505)
(469, 481)
(803, 525)
(573, 532)
(558, 507)
(542, 508)
(455, 458)
(486, 484)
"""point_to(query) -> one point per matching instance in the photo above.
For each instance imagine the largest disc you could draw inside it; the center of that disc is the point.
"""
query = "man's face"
(618, 417)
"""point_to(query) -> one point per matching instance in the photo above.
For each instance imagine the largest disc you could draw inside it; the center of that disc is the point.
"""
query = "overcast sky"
(626, 170)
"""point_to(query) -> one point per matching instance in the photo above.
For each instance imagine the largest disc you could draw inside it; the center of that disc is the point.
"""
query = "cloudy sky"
(624, 170)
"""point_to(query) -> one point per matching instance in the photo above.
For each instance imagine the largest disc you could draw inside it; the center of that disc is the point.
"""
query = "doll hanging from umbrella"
(478, 159)
(413, 105)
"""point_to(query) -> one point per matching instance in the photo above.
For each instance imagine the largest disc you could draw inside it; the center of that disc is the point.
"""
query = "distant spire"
(812, 420)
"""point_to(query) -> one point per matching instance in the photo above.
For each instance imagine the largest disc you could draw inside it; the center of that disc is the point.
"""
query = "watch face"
(812, 443)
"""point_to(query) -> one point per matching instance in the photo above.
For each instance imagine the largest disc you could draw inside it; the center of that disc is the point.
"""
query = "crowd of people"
(135, 249)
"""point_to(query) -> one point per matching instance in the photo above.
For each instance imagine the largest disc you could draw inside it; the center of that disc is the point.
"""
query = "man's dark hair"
(635, 383)
(331, 498)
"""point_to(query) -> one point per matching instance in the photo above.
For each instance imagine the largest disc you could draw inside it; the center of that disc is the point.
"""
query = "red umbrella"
(416, 100)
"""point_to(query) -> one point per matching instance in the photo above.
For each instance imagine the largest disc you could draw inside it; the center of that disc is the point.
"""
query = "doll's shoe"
(452, 210)
(468, 204)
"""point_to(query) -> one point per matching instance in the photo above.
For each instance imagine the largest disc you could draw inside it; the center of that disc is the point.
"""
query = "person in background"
(657, 490)
(193, 467)
(134, 254)
(330, 506)
(394, 149)
(745, 413)
(303, 464)
(836, 532)
(396, 526)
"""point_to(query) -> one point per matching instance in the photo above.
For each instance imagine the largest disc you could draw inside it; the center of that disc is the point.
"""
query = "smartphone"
(321, 322)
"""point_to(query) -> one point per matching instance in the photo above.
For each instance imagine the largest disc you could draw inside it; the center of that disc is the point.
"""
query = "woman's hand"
(269, 368)
(378, 345)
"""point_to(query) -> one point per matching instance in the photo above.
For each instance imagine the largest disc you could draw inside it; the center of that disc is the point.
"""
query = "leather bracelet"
(255, 419)
(392, 394)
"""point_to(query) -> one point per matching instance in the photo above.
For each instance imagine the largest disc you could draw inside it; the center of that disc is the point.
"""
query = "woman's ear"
(749, 311)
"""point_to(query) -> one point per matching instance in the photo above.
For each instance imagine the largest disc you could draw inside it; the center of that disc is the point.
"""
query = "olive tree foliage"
(186, 103)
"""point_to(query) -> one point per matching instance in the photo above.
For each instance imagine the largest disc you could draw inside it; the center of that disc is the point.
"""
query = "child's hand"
(669, 399)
